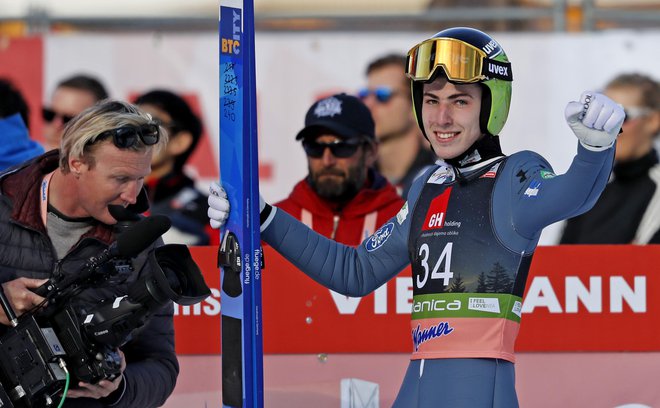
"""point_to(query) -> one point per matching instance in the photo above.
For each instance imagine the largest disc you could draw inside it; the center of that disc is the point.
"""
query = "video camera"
(69, 341)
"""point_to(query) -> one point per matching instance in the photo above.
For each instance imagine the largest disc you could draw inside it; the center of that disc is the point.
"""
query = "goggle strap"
(497, 69)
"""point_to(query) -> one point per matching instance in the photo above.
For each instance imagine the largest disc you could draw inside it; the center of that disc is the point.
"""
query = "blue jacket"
(16, 145)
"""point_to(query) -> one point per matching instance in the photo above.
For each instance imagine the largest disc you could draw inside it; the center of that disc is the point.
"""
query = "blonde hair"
(81, 133)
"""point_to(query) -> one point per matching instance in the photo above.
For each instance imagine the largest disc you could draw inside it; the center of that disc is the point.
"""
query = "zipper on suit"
(335, 225)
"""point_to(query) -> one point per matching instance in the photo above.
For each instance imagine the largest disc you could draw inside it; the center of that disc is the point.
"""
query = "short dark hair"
(12, 102)
(182, 116)
(649, 87)
(85, 83)
(387, 60)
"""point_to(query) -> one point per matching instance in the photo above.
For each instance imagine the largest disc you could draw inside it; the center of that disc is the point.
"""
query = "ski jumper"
(469, 232)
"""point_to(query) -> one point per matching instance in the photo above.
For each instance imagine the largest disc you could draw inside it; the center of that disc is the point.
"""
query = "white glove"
(218, 211)
(218, 206)
(596, 120)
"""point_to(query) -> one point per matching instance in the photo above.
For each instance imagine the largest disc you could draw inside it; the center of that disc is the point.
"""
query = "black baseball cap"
(341, 114)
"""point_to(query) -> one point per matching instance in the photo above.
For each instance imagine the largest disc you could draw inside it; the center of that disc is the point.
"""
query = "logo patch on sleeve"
(545, 174)
(379, 237)
(533, 189)
(402, 214)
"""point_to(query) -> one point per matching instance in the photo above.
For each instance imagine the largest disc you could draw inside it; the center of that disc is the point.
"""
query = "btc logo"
(229, 46)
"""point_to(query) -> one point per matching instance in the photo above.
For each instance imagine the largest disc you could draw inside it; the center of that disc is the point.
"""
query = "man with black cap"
(343, 197)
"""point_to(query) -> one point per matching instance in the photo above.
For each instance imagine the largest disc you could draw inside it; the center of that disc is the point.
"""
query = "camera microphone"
(129, 243)
(139, 236)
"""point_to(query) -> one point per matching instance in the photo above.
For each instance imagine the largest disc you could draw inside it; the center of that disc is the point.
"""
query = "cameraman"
(54, 215)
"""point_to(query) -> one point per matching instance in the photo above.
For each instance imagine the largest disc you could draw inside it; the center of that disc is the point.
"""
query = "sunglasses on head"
(127, 136)
(340, 148)
(382, 94)
(49, 115)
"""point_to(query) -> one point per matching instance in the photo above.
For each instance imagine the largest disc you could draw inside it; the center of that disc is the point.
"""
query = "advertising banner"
(578, 298)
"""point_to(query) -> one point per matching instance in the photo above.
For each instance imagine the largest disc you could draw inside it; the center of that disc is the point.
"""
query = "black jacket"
(27, 251)
(176, 197)
(628, 210)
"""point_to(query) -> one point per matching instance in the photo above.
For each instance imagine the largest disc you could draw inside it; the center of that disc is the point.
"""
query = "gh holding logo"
(437, 212)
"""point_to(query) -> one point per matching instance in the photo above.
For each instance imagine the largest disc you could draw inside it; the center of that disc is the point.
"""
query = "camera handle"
(6, 307)
(135, 239)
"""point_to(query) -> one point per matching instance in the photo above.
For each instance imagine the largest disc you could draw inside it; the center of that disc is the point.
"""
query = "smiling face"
(450, 113)
(112, 176)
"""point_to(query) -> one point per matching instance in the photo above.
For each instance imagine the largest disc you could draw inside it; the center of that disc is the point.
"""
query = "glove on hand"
(218, 211)
(596, 120)
(218, 206)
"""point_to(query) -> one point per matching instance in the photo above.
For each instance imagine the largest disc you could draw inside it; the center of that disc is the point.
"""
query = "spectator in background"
(71, 96)
(402, 155)
(171, 191)
(15, 143)
(343, 197)
(628, 211)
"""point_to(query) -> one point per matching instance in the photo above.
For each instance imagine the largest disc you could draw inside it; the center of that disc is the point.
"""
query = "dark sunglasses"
(127, 136)
(339, 149)
(382, 94)
(49, 115)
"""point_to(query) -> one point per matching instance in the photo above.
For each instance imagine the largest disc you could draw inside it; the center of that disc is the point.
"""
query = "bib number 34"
(441, 268)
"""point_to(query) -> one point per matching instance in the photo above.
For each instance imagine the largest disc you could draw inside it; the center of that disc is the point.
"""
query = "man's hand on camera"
(595, 119)
(21, 298)
(100, 390)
